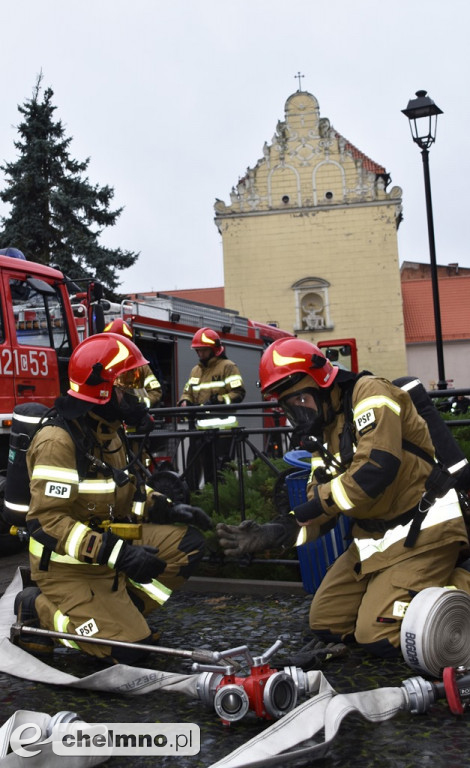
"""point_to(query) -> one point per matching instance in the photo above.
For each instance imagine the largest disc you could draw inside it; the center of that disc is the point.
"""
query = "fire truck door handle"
(23, 387)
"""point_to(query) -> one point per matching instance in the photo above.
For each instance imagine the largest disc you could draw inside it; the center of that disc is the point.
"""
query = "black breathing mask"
(125, 407)
(305, 420)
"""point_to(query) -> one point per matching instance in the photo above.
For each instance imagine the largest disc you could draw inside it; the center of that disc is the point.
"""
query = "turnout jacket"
(64, 500)
(144, 383)
(384, 479)
(220, 380)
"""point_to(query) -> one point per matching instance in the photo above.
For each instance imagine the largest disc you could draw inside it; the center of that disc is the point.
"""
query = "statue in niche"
(312, 308)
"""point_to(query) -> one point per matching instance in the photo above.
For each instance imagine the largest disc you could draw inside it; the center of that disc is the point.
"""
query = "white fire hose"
(435, 637)
(435, 631)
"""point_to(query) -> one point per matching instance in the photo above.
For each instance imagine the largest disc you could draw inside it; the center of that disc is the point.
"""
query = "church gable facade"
(310, 240)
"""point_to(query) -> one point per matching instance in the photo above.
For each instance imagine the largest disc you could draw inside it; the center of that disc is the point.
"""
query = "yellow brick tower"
(310, 240)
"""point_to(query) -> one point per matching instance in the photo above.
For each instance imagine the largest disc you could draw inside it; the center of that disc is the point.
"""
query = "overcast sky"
(172, 101)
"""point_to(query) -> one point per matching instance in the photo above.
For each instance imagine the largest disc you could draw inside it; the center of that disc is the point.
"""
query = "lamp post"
(422, 113)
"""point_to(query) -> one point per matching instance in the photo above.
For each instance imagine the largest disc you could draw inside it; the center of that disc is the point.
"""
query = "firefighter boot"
(26, 614)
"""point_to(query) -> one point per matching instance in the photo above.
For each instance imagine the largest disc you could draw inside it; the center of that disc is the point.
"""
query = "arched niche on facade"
(284, 187)
(329, 183)
(312, 305)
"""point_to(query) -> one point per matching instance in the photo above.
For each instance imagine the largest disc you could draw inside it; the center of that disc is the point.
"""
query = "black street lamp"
(422, 113)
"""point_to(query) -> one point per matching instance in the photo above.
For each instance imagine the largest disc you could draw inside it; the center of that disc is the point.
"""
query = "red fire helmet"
(287, 361)
(97, 362)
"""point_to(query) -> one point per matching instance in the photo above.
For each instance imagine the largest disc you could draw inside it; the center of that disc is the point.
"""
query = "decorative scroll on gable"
(307, 164)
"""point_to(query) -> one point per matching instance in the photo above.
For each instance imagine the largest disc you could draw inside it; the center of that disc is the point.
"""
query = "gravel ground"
(219, 620)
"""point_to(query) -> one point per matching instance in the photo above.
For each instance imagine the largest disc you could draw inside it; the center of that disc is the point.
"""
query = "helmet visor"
(283, 385)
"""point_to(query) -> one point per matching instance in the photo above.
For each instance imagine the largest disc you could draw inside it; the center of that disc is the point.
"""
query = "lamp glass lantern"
(422, 113)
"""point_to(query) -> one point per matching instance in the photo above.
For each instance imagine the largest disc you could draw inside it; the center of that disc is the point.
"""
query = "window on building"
(312, 305)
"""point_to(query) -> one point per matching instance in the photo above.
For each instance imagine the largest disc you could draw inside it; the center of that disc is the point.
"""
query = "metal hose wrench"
(268, 692)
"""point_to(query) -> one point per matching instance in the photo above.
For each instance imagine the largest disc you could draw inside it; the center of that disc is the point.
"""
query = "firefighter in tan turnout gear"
(104, 549)
(215, 380)
(372, 459)
(141, 381)
(144, 385)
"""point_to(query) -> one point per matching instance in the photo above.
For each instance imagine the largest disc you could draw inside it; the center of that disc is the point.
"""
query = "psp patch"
(58, 490)
(365, 421)
(87, 629)
(399, 608)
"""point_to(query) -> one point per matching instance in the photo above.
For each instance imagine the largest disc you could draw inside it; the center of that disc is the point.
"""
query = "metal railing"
(178, 425)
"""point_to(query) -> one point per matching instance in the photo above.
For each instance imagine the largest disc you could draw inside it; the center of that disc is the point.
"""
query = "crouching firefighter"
(372, 460)
(104, 552)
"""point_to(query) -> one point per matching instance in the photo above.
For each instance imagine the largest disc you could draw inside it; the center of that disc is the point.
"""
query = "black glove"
(139, 563)
(310, 509)
(213, 400)
(249, 536)
(192, 516)
(163, 512)
(134, 412)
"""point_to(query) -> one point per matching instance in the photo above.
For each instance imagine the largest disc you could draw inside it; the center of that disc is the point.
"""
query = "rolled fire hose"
(435, 635)
(439, 620)
(435, 631)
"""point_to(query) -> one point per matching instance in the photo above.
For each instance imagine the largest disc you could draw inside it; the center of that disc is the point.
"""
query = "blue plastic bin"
(315, 557)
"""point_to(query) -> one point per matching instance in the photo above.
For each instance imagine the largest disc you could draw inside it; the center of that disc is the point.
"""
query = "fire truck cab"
(37, 335)
(43, 316)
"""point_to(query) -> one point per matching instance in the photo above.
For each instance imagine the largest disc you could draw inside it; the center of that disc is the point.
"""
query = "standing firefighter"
(373, 460)
(98, 565)
(215, 380)
(141, 381)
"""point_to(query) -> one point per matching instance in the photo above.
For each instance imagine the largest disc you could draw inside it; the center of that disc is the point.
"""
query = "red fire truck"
(44, 315)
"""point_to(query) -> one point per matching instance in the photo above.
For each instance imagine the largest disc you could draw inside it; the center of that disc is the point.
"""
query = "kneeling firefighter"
(372, 460)
(104, 550)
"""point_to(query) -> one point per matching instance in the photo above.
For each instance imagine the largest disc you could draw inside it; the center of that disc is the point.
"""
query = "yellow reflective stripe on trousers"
(61, 623)
(447, 508)
(217, 423)
(44, 472)
(340, 496)
(154, 589)
(378, 401)
(75, 538)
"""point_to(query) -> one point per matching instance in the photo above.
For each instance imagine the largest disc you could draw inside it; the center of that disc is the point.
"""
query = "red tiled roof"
(418, 309)
(368, 164)
(213, 296)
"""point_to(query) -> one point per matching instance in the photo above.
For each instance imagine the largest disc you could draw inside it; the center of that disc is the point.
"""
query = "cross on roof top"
(299, 76)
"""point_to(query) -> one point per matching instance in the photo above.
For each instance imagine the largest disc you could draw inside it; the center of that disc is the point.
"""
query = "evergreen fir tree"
(56, 215)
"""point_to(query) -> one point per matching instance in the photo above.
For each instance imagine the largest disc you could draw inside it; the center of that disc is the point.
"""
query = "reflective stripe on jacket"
(62, 504)
(383, 480)
(220, 377)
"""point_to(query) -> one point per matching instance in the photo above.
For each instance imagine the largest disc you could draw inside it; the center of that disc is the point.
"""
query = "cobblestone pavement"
(216, 621)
